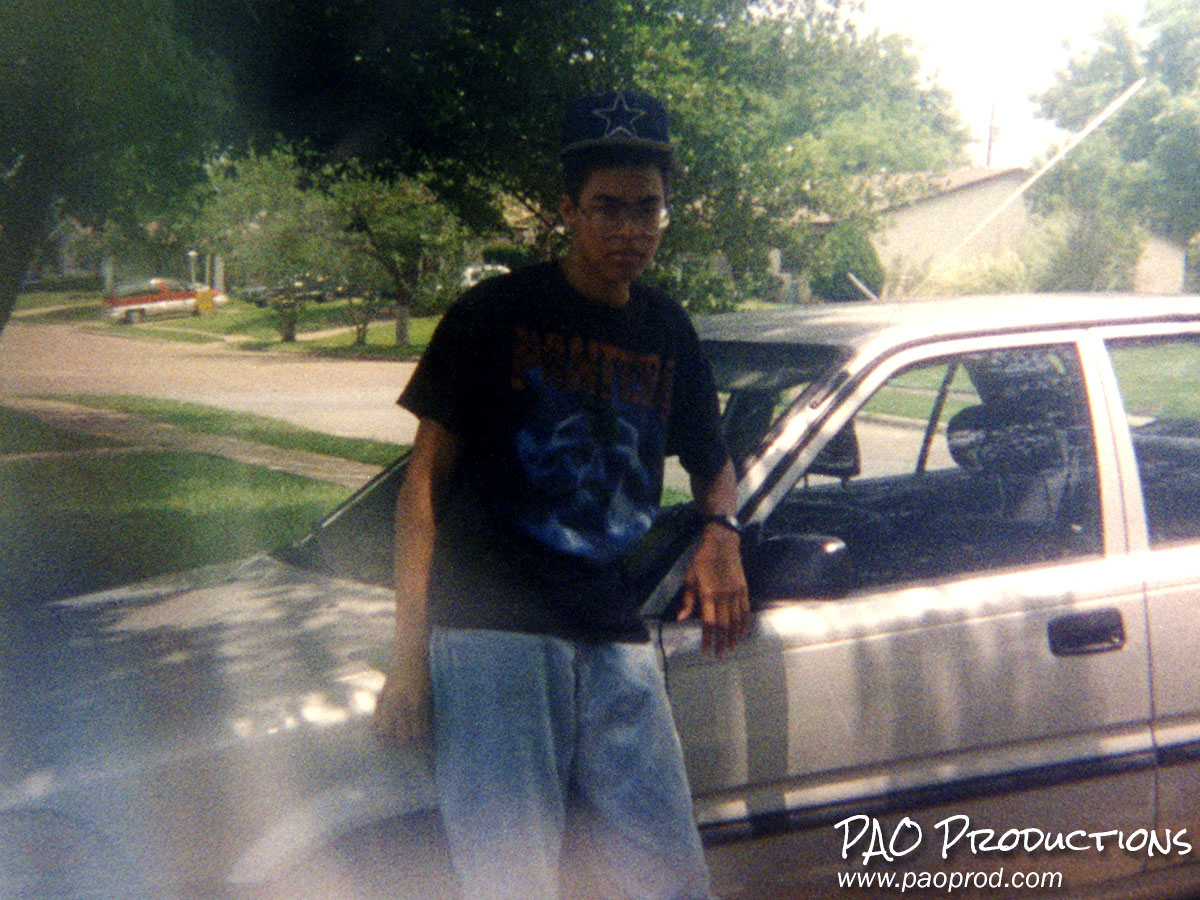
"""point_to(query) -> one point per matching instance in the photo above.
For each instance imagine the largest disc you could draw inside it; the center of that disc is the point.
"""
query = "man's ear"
(567, 209)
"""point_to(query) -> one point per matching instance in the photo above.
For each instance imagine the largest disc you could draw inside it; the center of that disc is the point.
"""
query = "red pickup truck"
(132, 302)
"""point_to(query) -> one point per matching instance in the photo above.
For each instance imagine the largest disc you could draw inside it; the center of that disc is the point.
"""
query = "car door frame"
(1172, 589)
(727, 813)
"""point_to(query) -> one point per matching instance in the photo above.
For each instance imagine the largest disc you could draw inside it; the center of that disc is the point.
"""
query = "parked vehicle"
(972, 536)
(477, 272)
(131, 303)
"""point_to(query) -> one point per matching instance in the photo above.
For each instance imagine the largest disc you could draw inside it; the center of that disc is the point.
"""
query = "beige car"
(972, 534)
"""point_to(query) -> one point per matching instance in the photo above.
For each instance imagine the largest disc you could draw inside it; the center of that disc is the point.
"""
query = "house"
(941, 224)
(1162, 267)
(942, 214)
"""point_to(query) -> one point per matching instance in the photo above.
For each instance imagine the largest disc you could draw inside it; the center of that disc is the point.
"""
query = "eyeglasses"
(644, 218)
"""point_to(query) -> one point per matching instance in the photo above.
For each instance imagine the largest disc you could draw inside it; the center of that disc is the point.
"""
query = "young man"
(547, 401)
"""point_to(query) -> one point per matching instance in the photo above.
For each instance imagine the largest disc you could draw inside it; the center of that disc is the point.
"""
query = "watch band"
(724, 520)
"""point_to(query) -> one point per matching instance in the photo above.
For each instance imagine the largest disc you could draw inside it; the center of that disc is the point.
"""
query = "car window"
(758, 382)
(1160, 387)
(133, 290)
(959, 464)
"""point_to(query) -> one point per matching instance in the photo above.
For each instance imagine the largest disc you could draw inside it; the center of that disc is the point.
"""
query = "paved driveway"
(349, 398)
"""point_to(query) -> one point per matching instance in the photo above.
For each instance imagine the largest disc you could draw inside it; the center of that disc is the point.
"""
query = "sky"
(997, 54)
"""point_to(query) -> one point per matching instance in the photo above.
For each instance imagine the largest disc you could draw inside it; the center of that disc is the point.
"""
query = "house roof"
(896, 191)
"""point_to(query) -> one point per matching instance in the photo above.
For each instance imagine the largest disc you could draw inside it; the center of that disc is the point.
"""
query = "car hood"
(230, 681)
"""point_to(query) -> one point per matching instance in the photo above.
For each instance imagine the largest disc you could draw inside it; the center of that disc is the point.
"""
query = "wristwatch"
(724, 520)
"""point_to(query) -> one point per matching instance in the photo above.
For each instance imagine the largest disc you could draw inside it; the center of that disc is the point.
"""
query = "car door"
(1157, 373)
(988, 662)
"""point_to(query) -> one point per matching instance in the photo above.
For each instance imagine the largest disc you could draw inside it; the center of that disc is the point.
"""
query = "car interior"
(1014, 482)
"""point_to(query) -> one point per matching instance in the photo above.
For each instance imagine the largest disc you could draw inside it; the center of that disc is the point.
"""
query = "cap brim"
(617, 143)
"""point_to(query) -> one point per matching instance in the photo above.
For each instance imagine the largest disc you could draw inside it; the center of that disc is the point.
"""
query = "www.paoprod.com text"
(902, 882)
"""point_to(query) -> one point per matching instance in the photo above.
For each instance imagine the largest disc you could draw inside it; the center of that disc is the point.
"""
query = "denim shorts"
(537, 738)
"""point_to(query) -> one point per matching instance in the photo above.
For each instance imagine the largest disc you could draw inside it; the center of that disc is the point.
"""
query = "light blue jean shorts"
(533, 732)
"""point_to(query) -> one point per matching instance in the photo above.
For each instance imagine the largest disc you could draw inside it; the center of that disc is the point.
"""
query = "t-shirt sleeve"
(439, 388)
(695, 428)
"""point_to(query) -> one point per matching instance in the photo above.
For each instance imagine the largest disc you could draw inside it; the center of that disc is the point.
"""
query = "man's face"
(617, 224)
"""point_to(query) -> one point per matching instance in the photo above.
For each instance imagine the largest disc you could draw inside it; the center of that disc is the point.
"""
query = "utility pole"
(1070, 145)
(991, 138)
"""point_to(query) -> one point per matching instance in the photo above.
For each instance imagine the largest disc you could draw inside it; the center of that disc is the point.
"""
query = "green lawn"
(53, 307)
(23, 433)
(85, 523)
(43, 299)
(1153, 380)
(381, 337)
(72, 522)
(263, 430)
(253, 327)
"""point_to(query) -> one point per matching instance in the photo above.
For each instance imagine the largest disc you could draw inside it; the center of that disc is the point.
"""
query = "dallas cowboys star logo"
(620, 117)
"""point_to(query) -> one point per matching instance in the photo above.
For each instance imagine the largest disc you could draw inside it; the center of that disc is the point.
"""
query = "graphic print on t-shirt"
(588, 448)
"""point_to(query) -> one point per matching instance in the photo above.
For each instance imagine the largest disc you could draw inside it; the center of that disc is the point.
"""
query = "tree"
(366, 235)
(776, 106)
(845, 255)
(1152, 147)
(395, 225)
(102, 111)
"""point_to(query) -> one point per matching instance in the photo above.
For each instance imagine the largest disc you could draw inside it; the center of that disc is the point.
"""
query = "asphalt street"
(346, 398)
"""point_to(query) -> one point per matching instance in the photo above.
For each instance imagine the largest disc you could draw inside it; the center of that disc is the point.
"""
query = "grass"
(23, 433)
(76, 524)
(57, 307)
(250, 326)
(261, 429)
(380, 342)
(1155, 380)
(72, 522)
(32, 300)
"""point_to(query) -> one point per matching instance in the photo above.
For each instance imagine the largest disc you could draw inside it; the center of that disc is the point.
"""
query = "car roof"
(852, 325)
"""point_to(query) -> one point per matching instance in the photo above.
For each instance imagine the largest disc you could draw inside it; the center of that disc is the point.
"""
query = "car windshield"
(756, 382)
(136, 288)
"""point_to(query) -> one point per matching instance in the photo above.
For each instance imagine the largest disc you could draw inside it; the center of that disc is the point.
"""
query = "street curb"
(149, 434)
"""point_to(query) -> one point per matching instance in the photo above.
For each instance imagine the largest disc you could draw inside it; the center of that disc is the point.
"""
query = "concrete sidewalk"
(139, 433)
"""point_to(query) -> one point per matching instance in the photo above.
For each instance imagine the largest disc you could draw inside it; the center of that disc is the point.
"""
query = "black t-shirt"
(565, 409)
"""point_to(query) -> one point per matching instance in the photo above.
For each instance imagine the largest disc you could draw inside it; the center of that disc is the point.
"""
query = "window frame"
(1098, 382)
(1130, 478)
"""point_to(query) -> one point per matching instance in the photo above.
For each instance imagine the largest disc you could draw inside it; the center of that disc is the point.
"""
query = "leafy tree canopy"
(1148, 156)
(276, 220)
(776, 107)
(102, 111)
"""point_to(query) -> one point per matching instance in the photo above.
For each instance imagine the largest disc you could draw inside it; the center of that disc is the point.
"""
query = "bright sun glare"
(995, 55)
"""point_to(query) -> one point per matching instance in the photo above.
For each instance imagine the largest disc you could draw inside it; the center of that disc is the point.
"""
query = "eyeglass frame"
(610, 216)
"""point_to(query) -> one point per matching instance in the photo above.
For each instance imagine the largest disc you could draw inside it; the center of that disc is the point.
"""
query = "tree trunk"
(25, 198)
(402, 323)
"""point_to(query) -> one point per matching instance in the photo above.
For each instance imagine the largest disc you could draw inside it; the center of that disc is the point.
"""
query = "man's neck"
(585, 280)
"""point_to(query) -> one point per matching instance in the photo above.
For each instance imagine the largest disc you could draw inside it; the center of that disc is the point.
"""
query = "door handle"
(1091, 632)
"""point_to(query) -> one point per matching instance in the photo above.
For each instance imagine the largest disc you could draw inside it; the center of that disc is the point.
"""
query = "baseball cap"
(624, 118)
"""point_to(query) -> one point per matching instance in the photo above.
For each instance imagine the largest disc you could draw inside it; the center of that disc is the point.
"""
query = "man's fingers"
(723, 617)
(688, 606)
(400, 718)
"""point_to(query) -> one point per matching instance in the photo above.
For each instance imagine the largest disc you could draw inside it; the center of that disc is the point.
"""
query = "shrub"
(845, 251)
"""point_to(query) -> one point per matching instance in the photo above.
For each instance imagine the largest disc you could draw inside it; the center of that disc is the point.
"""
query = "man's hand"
(716, 584)
(402, 712)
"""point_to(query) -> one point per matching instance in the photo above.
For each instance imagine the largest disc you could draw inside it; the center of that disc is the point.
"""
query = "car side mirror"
(839, 458)
(796, 567)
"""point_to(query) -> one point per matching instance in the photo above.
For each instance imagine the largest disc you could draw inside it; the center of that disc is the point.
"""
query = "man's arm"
(402, 710)
(715, 582)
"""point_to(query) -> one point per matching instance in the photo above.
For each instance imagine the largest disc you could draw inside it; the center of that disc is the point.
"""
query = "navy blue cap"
(616, 119)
